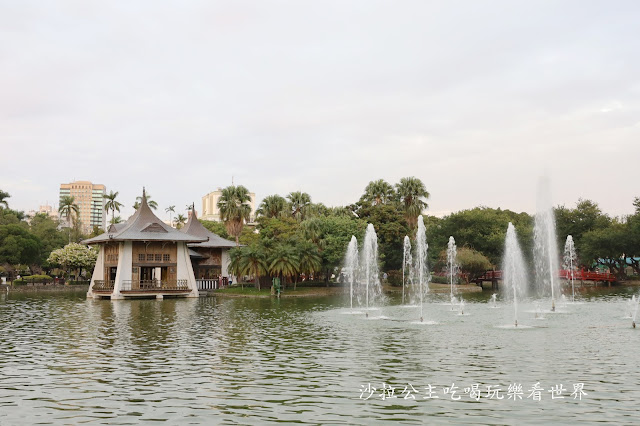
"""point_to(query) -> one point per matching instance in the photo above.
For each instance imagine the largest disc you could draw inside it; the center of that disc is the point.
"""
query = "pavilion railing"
(155, 285)
(103, 285)
(211, 284)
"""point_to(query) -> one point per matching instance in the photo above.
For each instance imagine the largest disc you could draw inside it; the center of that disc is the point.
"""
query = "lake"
(68, 360)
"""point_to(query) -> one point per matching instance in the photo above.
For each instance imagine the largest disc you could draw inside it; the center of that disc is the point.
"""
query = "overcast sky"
(476, 98)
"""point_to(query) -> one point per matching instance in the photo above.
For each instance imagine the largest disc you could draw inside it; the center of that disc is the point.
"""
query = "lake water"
(68, 360)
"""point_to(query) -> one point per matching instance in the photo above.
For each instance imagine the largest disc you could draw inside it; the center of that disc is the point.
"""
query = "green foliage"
(3, 199)
(9, 217)
(18, 245)
(299, 203)
(33, 279)
(234, 209)
(472, 263)
(378, 192)
(273, 206)
(586, 217)
(217, 228)
(482, 229)
(46, 230)
(74, 256)
(391, 227)
(411, 192)
(394, 277)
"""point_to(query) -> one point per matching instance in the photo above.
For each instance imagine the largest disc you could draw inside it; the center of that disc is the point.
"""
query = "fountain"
(461, 312)
(369, 267)
(351, 265)
(422, 270)
(632, 305)
(513, 266)
(570, 263)
(494, 300)
(545, 253)
(406, 261)
(635, 312)
(452, 267)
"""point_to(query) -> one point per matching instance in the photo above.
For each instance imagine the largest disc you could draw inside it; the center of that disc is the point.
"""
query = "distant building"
(90, 200)
(210, 206)
(46, 209)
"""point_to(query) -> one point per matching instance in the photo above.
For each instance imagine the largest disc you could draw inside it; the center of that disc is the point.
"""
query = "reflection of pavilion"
(210, 259)
(141, 257)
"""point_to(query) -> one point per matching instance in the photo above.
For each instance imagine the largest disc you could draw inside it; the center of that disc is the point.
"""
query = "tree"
(472, 263)
(180, 221)
(284, 261)
(170, 210)
(234, 209)
(74, 256)
(272, 206)
(391, 227)
(606, 247)
(18, 245)
(378, 192)
(112, 204)
(585, 217)
(309, 259)
(249, 260)
(115, 220)
(3, 199)
(70, 210)
(46, 229)
(150, 202)
(299, 203)
(411, 192)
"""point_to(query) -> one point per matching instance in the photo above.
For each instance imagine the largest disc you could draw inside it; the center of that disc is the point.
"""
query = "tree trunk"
(257, 282)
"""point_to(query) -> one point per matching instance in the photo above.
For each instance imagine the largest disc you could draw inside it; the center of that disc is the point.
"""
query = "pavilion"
(143, 257)
(210, 258)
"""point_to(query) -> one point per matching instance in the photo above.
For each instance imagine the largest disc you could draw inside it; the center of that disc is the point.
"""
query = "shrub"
(394, 277)
(436, 279)
(33, 279)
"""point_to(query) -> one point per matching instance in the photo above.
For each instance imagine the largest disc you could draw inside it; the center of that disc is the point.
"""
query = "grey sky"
(476, 98)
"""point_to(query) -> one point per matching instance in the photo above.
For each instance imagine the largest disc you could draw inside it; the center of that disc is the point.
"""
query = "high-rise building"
(90, 200)
(210, 209)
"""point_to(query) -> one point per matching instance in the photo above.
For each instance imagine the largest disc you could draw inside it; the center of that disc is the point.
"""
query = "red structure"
(582, 275)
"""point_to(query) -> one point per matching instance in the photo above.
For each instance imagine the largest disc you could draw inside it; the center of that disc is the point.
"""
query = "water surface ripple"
(67, 360)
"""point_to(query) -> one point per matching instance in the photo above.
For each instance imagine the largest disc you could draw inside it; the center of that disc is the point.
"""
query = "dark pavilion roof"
(144, 225)
(195, 228)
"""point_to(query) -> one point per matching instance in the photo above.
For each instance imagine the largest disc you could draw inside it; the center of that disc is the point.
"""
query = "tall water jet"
(569, 263)
(351, 265)
(422, 270)
(635, 312)
(514, 275)
(545, 253)
(406, 262)
(369, 267)
(452, 264)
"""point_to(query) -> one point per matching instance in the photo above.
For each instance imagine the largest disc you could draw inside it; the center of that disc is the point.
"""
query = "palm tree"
(115, 220)
(3, 199)
(112, 204)
(67, 208)
(272, 206)
(284, 261)
(378, 192)
(300, 202)
(150, 202)
(180, 221)
(170, 209)
(250, 260)
(234, 209)
(309, 258)
(411, 191)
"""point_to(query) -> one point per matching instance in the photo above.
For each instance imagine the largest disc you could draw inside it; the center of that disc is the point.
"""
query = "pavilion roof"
(195, 228)
(143, 225)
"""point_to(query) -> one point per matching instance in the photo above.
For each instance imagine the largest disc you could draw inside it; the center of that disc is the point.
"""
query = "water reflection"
(67, 360)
